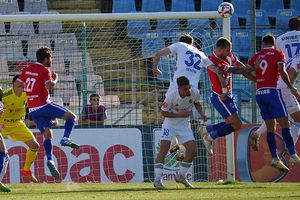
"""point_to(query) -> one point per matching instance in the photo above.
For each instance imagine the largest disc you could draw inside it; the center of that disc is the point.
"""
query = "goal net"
(111, 55)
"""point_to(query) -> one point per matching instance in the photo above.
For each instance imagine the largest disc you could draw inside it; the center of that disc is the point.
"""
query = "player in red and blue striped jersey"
(269, 64)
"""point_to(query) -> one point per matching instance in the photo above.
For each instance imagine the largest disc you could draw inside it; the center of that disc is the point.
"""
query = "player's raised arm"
(163, 52)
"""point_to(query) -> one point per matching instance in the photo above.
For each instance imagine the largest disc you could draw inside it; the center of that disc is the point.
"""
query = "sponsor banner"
(255, 166)
(171, 165)
(105, 155)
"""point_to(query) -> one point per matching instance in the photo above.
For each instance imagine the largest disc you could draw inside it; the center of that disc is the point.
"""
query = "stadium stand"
(241, 7)
(271, 6)
(151, 43)
(11, 47)
(153, 6)
(262, 20)
(208, 5)
(21, 28)
(295, 4)
(50, 27)
(34, 42)
(65, 88)
(183, 6)
(123, 6)
(283, 16)
(9, 7)
(35, 6)
(241, 42)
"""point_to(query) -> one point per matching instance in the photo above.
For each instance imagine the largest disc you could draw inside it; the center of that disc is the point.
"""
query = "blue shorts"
(225, 108)
(270, 103)
(43, 116)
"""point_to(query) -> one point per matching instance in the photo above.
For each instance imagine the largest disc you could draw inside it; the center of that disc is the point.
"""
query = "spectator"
(93, 113)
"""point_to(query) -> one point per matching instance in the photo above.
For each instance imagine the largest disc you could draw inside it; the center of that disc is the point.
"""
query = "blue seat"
(168, 26)
(209, 5)
(295, 4)
(209, 38)
(123, 6)
(241, 87)
(241, 42)
(274, 32)
(151, 43)
(241, 7)
(166, 65)
(234, 21)
(197, 24)
(261, 18)
(271, 6)
(153, 6)
(183, 6)
(137, 27)
(283, 16)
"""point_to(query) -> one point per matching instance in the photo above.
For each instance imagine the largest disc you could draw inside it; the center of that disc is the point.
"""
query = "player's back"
(35, 77)
(190, 60)
(267, 73)
(289, 43)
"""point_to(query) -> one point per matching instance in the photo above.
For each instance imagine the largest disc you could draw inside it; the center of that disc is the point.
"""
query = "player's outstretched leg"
(53, 170)
(205, 139)
(254, 137)
(69, 124)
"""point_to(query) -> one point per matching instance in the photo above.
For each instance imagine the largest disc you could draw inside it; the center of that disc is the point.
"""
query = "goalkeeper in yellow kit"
(14, 101)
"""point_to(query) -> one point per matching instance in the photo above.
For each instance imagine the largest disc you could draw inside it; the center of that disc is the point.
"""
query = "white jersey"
(189, 62)
(289, 43)
(174, 103)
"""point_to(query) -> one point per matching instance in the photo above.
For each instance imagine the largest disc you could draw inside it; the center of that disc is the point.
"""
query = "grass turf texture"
(214, 191)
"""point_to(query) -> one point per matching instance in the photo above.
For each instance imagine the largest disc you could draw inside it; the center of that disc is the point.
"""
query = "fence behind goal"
(110, 54)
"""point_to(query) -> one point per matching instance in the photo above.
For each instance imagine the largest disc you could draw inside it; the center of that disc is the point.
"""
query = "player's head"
(186, 38)
(44, 56)
(94, 99)
(294, 23)
(223, 47)
(268, 41)
(184, 86)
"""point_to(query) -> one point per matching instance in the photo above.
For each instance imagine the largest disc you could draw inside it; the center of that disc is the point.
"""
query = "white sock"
(262, 129)
(184, 167)
(295, 130)
(158, 170)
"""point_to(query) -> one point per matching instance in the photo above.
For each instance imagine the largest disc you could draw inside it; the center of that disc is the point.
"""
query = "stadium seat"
(167, 26)
(274, 32)
(3, 66)
(283, 16)
(50, 27)
(151, 43)
(75, 105)
(241, 7)
(271, 6)
(123, 6)
(58, 64)
(137, 27)
(183, 6)
(110, 100)
(9, 7)
(11, 48)
(167, 67)
(21, 28)
(153, 6)
(197, 24)
(241, 87)
(95, 84)
(76, 65)
(295, 4)
(261, 18)
(65, 88)
(241, 42)
(209, 5)
(66, 44)
(35, 6)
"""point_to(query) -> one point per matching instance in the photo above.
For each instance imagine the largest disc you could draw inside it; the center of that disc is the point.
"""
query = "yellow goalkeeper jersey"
(14, 107)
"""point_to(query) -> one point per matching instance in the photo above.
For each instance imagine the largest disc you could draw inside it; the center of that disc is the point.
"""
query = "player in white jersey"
(289, 43)
(189, 61)
(176, 109)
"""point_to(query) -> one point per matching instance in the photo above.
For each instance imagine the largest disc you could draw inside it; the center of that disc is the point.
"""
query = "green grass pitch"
(82, 191)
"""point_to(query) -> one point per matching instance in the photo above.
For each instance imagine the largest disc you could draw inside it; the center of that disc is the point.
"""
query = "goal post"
(110, 54)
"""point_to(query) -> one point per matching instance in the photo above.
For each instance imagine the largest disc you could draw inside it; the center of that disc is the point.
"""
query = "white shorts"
(290, 101)
(183, 134)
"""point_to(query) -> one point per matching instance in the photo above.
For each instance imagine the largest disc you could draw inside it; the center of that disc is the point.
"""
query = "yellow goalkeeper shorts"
(17, 132)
